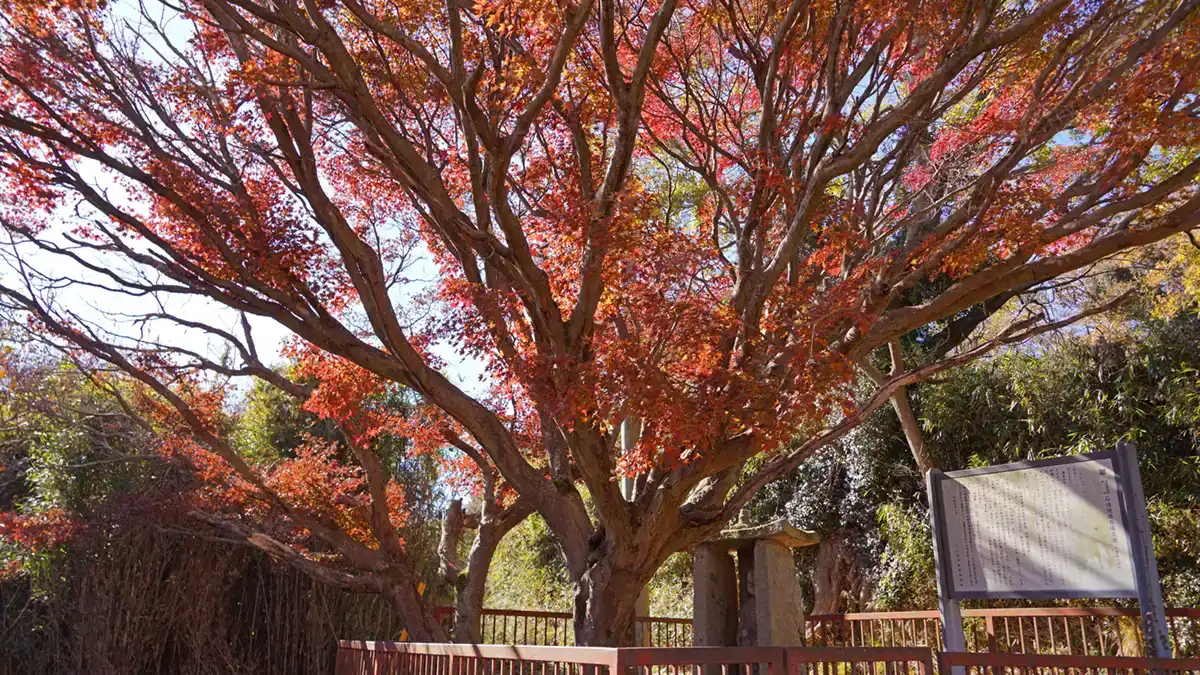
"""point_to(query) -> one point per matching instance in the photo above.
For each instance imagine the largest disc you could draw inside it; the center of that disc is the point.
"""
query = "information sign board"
(1069, 527)
(1051, 529)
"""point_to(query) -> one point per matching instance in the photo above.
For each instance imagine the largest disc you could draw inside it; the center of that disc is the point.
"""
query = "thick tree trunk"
(606, 604)
(857, 596)
(470, 585)
(468, 601)
(830, 572)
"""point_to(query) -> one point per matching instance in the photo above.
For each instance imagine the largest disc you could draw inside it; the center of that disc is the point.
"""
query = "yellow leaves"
(45, 17)
(500, 16)
(536, 20)
(1176, 278)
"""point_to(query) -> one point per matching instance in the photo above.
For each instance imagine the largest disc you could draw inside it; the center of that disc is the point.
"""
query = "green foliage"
(1177, 547)
(66, 447)
(1138, 380)
(528, 571)
(66, 443)
(273, 424)
(1177, 278)
(1083, 395)
(842, 488)
(671, 587)
(905, 570)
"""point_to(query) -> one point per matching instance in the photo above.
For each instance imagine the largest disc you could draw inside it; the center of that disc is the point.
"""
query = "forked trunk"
(472, 586)
(605, 606)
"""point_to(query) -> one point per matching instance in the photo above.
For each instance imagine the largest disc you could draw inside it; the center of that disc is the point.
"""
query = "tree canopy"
(694, 221)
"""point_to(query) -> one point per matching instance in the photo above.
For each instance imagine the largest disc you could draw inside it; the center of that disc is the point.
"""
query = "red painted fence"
(1030, 664)
(1095, 631)
(402, 658)
(535, 627)
(395, 658)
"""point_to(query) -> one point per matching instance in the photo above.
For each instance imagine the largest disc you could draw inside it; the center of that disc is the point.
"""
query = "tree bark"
(471, 585)
(453, 522)
(903, 407)
(606, 603)
(415, 612)
(912, 431)
(830, 573)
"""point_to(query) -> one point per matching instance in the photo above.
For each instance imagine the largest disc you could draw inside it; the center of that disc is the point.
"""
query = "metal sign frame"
(1135, 522)
(940, 535)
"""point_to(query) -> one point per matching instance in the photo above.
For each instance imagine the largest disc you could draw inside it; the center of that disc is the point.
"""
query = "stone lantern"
(753, 600)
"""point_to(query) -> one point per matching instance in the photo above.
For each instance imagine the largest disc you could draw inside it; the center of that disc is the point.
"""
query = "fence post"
(927, 663)
(616, 665)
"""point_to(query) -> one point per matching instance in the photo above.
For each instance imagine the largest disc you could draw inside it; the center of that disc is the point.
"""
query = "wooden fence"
(1095, 631)
(973, 663)
(403, 658)
(394, 658)
(535, 627)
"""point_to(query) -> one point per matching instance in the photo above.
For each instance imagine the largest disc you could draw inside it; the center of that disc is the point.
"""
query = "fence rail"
(1094, 631)
(405, 658)
(402, 658)
(1055, 664)
(416, 658)
(537, 627)
(859, 661)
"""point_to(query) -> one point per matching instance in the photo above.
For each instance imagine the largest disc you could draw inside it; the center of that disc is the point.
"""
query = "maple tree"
(695, 220)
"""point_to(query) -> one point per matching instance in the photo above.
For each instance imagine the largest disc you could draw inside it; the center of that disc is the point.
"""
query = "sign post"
(1150, 602)
(949, 607)
(1069, 527)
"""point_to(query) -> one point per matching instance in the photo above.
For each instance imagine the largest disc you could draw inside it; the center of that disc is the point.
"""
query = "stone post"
(756, 602)
(641, 630)
(778, 612)
(715, 597)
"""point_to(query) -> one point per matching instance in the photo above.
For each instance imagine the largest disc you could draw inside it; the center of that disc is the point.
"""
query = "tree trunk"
(453, 522)
(903, 407)
(605, 610)
(471, 586)
(605, 605)
(467, 588)
(912, 430)
(415, 613)
(829, 573)
(831, 576)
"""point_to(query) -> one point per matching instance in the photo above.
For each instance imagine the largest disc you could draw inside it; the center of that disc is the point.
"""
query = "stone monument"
(746, 591)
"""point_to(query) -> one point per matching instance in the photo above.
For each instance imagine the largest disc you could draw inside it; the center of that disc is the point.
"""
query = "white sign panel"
(1052, 529)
